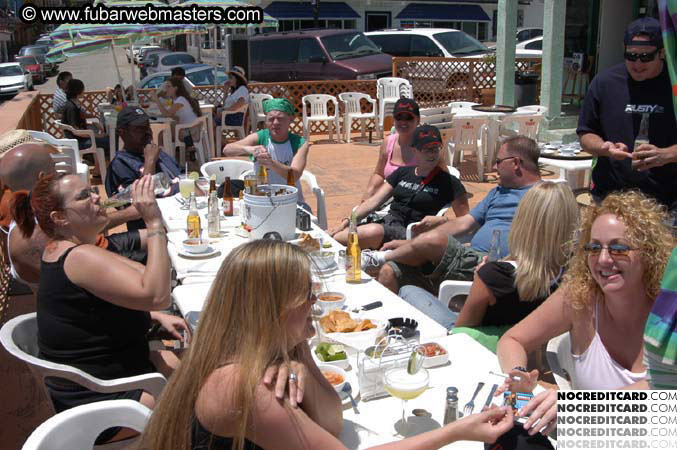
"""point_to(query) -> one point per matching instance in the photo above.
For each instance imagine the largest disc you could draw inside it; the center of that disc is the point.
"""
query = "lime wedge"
(193, 176)
(412, 365)
(334, 349)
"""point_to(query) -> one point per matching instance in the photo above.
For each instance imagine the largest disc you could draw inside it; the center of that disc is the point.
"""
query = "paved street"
(96, 70)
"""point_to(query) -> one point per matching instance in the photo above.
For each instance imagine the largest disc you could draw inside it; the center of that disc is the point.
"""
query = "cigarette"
(503, 375)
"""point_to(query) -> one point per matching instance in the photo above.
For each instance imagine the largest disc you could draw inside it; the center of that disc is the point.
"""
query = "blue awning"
(473, 13)
(304, 10)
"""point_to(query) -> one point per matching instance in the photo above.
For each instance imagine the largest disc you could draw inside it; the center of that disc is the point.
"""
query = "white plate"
(211, 251)
(342, 363)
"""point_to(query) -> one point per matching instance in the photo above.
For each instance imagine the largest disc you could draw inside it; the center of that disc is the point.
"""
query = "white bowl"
(435, 361)
(194, 245)
(323, 259)
(342, 363)
(330, 305)
(336, 370)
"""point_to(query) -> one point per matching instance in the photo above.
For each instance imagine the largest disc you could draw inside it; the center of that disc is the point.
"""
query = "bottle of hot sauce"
(228, 199)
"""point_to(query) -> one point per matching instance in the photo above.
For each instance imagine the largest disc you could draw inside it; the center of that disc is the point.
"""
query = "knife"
(491, 396)
(368, 307)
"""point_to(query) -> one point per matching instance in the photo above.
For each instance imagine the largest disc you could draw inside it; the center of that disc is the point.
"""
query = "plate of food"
(307, 242)
(330, 354)
(345, 383)
(433, 354)
(351, 330)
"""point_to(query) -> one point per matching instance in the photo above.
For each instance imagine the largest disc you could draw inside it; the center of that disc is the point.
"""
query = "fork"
(468, 408)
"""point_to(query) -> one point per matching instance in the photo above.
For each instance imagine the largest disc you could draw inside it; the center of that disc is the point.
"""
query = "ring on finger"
(293, 377)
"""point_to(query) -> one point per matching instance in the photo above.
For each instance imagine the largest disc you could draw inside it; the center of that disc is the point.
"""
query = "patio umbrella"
(76, 39)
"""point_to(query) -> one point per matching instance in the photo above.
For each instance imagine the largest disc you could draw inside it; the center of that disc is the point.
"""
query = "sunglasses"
(430, 150)
(594, 249)
(500, 160)
(404, 117)
(643, 57)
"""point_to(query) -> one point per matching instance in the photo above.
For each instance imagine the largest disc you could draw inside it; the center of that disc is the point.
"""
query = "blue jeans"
(428, 304)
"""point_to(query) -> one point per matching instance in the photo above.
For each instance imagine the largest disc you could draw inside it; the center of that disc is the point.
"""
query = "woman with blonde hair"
(249, 381)
(613, 279)
(504, 292)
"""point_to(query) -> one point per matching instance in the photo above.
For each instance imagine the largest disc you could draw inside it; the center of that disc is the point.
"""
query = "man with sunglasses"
(610, 119)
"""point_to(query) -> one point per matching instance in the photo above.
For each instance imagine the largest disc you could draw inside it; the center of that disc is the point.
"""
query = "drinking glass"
(203, 184)
(186, 187)
(495, 246)
(405, 386)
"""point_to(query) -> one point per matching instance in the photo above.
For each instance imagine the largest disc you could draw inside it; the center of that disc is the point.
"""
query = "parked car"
(146, 58)
(161, 62)
(34, 65)
(196, 74)
(133, 51)
(144, 49)
(444, 42)
(14, 79)
(526, 33)
(532, 48)
(316, 55)
(39, 50)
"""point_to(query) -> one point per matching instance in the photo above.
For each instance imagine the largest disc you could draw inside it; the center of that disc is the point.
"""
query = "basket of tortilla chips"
(353, 331)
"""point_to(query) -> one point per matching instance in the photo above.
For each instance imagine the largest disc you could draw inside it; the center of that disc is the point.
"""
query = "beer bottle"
(212, 185)
(213, 219)
(290, 178)
(193, 225)
(227, 199)
(353, 252)
(262, 175)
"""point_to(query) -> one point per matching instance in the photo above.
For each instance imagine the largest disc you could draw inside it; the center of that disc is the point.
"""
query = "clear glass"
(161, 184)
(186, 187)
(405, 386)
(203, 184)
(495, 246)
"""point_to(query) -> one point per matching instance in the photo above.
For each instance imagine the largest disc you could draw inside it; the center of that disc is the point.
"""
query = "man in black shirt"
(610, 119)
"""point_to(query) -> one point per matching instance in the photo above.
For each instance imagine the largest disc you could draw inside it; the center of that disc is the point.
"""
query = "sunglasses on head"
(643, 57)
(594, 249)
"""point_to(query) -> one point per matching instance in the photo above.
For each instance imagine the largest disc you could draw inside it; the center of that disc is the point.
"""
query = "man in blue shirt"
(437, 255)
(139, 156)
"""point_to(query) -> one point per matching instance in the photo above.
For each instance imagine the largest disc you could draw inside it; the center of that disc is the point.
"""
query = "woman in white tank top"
(613, 279)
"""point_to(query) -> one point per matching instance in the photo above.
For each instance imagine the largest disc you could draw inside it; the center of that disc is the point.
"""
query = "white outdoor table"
(573, 170)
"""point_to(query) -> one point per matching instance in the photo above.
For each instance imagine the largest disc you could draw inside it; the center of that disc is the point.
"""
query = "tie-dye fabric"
(668, 16)
(660, 334)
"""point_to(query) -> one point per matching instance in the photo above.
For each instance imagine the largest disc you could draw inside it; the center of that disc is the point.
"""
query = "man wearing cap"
(275, 147)
(417, 192)
(437, 255)
(139, 156)
(614, 106)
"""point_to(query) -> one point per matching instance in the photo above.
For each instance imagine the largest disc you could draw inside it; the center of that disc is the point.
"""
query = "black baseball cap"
(132, 115)
(406, 106)
(426, 136)
(646, 26)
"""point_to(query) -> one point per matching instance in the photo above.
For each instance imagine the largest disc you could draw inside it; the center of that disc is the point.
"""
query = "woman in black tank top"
(94, 307)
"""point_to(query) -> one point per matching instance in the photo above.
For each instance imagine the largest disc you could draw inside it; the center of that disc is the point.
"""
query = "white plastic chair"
(532, 109)
(410, 233)
(69, 156)
(321, 213)
(100, 155)
(451, 288)
(19, 336)
(233, 168)
(470, 135)
(460, 107)
(558, 354)
(256, 113)
(388, 91)
(77, 428)
(223, 129)
(319, 113)
(353, 111)
(527, 125)
(202, 147)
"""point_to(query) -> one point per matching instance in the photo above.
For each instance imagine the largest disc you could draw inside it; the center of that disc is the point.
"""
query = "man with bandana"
(275, 147)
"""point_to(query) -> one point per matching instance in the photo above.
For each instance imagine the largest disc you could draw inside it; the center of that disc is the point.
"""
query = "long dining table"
(375, 421)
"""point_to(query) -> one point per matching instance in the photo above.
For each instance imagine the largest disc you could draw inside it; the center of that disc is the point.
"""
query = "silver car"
(14, 79)
(162, 62)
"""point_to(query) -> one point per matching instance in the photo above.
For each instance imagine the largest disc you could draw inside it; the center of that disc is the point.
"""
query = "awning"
(304, 10)
(471, 13)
